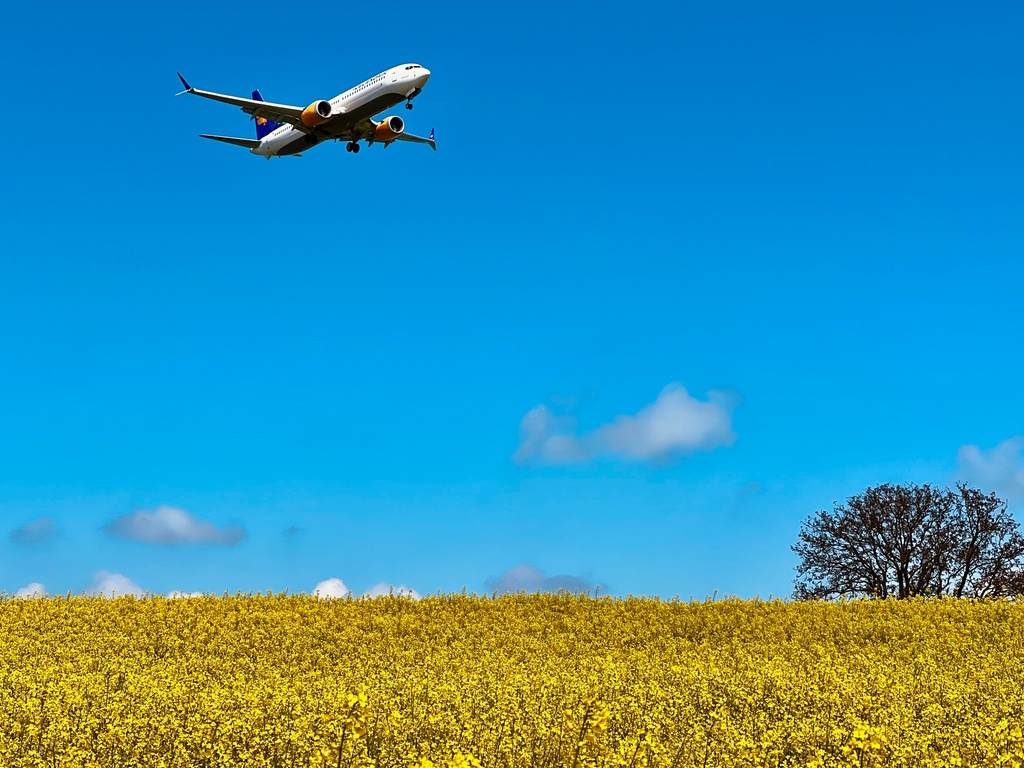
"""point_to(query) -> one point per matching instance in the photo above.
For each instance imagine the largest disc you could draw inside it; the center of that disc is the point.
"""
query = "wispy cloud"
(37, 532)
(33, 589)
(331, 588)
(112, 585)
(383, 588)
(170, 525)
(999, 469)
(526, 578)
(675, 424)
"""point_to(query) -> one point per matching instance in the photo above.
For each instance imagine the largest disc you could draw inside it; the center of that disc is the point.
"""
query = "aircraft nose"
(424, 76)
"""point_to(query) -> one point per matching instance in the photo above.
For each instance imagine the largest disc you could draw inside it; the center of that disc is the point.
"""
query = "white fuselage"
(369, 98)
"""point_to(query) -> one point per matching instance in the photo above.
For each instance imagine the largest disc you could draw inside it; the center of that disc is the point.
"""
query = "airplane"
(285, 130)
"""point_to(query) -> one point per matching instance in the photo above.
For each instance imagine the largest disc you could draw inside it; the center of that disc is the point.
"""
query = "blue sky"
(677, 276)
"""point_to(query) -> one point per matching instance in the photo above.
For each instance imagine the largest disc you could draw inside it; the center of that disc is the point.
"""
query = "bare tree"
(988, 552)
(907, 540)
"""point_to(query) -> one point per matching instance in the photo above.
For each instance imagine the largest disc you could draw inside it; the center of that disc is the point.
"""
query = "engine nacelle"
(389, 128)
(317, 112)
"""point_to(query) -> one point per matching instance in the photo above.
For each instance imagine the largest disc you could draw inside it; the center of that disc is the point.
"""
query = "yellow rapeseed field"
(522, 681)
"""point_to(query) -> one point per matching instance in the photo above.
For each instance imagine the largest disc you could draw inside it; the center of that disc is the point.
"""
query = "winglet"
(430, 141)
(188, 88)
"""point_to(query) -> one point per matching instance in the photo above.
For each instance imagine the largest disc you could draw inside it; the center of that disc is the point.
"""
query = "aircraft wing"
(279, 113)
(418, 139)
(365, 130)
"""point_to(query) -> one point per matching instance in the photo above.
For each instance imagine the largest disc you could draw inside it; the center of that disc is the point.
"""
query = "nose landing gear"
(352, 147)
(412, 95)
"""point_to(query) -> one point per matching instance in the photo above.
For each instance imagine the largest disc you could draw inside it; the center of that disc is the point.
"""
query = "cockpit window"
(413, 66)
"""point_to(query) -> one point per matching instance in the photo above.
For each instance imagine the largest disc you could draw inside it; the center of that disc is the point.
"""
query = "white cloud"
(170, 525)
(674, 425)
(331, 588)
(34, 589)
(112, 585)
(526, 578)
(382, 589)
(999, 469)
(548, 439)
(37, 532)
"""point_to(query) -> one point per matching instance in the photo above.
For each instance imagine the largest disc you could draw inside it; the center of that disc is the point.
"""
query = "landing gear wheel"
(348, 147)
(355, 148)
(408, 105)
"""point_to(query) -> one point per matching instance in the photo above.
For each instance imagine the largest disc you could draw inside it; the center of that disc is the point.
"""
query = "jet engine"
(317, 112)
(389, 128)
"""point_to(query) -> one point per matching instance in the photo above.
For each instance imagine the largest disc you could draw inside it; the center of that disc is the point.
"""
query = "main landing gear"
(352, 146)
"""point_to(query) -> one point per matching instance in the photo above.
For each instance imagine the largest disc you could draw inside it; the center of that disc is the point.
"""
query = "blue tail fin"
(263, 126)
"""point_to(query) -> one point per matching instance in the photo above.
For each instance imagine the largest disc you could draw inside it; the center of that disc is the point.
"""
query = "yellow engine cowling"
(389, 128)
(317, 112)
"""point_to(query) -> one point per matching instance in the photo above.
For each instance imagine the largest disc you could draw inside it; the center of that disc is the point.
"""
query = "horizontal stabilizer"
(250, 143)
